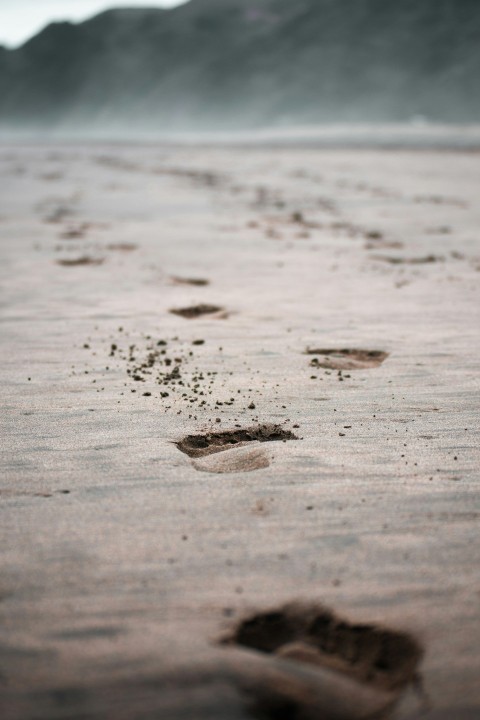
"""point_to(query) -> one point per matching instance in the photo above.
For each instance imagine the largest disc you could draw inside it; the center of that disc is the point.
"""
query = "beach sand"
(239, 379)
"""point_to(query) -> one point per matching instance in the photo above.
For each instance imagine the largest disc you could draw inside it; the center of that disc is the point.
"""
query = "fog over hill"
(229, 64)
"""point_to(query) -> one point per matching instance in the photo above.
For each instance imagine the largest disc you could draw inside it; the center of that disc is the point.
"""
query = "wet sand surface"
(239, 470)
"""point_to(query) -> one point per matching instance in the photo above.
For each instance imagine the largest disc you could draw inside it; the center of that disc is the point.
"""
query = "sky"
(20, 19)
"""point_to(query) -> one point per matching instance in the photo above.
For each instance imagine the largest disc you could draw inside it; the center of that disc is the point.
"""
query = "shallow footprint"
(122, 247)
(408, 261)
(196, 311)
(347, 358)
(197, 282)
(77, 262)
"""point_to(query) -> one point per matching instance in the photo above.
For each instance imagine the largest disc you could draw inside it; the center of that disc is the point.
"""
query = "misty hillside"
(249, 63)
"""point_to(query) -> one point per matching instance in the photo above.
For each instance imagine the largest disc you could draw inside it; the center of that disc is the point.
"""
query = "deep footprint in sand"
(196, 311)
(347, 358)
(313, 635)
(198, 446)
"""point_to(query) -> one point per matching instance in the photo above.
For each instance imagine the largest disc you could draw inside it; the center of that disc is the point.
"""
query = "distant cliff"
(248, 63)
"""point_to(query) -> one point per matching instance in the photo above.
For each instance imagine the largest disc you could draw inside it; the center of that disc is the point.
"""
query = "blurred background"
(78, 67)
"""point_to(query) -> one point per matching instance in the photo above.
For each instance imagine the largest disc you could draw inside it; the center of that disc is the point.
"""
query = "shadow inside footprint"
(196, 311)
(384, 658)
(197, 446)
(347, 358)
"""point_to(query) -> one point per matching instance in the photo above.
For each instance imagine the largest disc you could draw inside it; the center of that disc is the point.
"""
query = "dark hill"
(244, 63)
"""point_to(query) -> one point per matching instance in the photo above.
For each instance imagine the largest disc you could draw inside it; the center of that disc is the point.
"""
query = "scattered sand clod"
(196, 311)
(197, 446)
(84, 260)
(347, 358)
(197, 282)
(313, 635)
(239, 459)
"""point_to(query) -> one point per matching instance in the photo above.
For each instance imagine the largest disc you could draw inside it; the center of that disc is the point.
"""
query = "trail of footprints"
(305, 635)
(310, 636)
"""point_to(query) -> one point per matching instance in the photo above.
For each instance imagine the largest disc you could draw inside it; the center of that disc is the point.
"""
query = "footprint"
(197, 282)
(312, 635)
(240, 459)
(347, 359)
(198, 446)
(122, 247)
(408, 261)
(58, 214)
(84, 260)
(75, 232)
(384, 244)
(196, 311)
